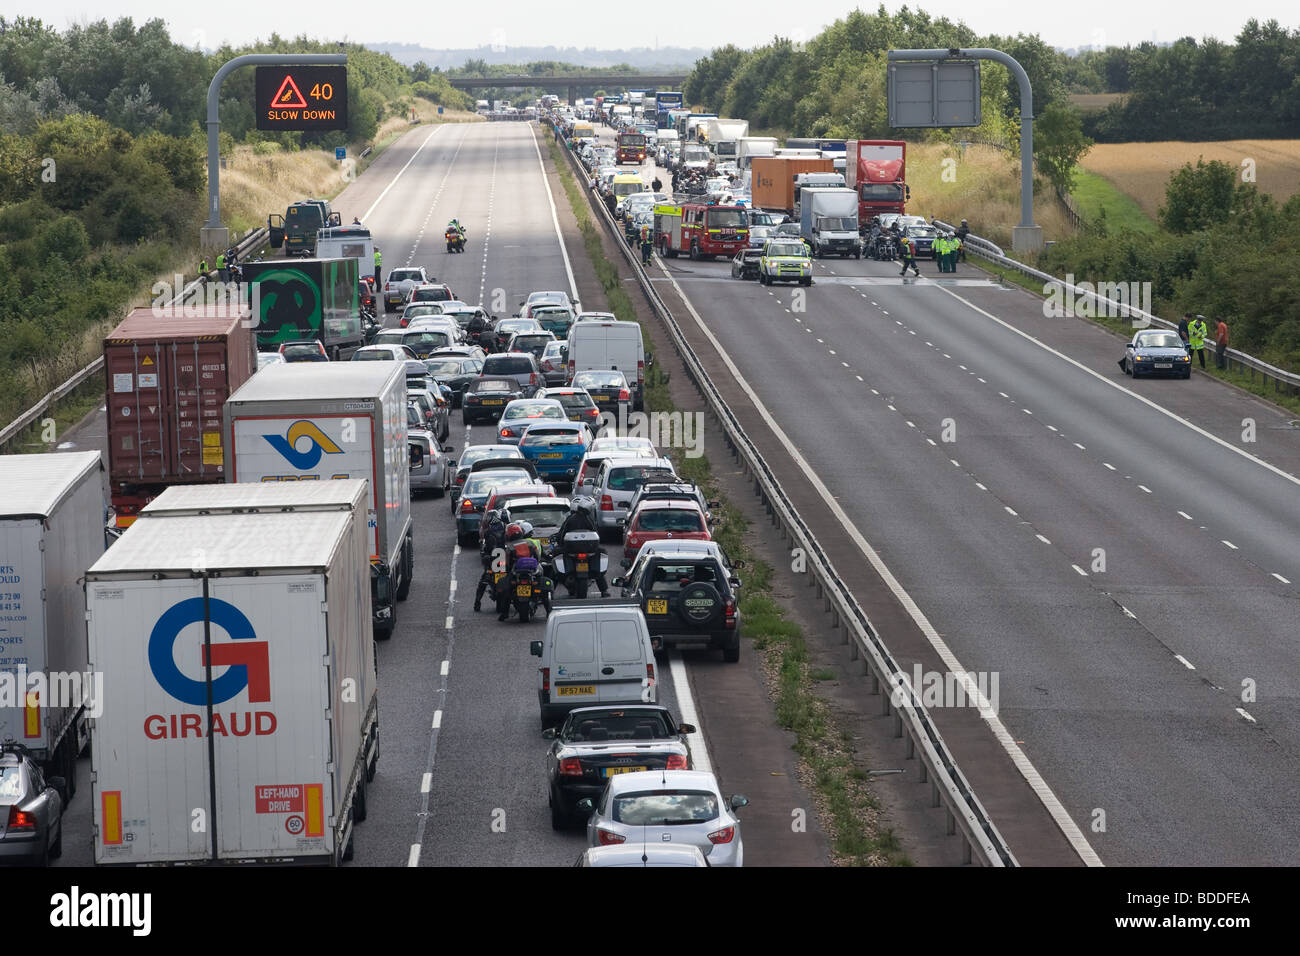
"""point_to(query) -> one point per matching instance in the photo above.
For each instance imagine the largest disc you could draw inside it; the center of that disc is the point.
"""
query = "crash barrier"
(1284, 382)
(252, 240)
(948, 786)
(509, 118)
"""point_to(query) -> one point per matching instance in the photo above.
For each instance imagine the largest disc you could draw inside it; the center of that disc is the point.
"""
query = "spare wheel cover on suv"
(699, 603)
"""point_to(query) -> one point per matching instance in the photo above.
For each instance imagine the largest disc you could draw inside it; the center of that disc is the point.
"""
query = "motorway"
(460, 779)
(1121, 556)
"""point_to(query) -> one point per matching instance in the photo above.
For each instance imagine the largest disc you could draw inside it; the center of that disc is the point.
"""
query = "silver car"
(668, 806)
(617, 482)
(523, 412)
(431, 463)
(31, 809)
(643, 854)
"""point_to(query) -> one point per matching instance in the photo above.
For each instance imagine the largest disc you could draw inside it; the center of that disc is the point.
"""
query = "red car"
(660, 519)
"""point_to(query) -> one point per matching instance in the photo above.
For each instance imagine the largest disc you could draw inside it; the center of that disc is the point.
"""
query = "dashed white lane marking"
(366, 215)
(859, 378)
(1004, 394)
(1026, 411)
(1080, 447)
(413, 858)
(1042, 539)
(1184, 514)
(1146, 489)
(426, 783)
(980, 486)
(1279, 577)
(1011, 511)
(686, 705)
(437, 719)
(932, 442)
(1184, 661)
(446, 666)
(1109, 465)
(1230, 544)
(1127, 612)
(450, 622)
(1246, 715)
(1053, 427)
(1080, 570)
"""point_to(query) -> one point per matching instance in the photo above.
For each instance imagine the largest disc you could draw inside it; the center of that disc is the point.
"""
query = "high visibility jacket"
(221, 260)
(378, 258)
(203, 265)
(1196, 333)
(906, 245)
(941, 246)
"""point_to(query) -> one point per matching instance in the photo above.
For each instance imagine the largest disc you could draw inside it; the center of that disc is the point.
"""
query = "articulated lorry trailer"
(877, 170)
(51, 530)
(294, 299)
(317, 421)
(233, 654)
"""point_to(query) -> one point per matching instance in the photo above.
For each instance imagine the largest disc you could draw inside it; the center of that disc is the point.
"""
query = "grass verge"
(1100, 200)
(850, 814)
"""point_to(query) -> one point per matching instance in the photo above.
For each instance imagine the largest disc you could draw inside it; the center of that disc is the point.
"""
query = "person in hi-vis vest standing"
(379, 261)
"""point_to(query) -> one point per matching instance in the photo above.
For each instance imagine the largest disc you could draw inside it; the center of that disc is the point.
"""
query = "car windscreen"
(575, 400)
(301, 351)
(881, 192)
(532, 410)
(485, 481)
(447, 367)
(669, 519)
(436, 294)
(665, 808)
(627, 189)
(11, 784)
(403, 275)
(599, 380)
(630, 724)
(673, 577)
(379, 355)
(540, 516)
(1163, 340)
(479, 453)
(487, 385)
(786, 249)
(546, 437)
(502, 365)
(632, 478)
(837, 224)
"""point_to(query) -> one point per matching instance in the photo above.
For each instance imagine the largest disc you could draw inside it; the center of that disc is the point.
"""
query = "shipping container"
(167, 377)
(316, 421)
(296, 299)
(772, 186)
(51, 530)
(230, 730)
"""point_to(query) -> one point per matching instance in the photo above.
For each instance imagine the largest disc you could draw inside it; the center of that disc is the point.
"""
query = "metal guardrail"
(1283, 381)
(948, 785)
(29, 417)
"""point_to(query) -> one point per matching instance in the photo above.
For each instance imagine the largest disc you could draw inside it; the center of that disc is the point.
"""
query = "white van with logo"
(593, 654)
(610, 344)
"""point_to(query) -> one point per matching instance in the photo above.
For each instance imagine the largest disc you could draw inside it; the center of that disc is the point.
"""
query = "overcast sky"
(444, 25)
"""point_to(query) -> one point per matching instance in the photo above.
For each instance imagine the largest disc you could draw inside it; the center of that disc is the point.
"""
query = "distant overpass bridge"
(570, 82)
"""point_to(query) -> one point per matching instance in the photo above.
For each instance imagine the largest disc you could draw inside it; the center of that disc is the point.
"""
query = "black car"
(745, 264)
(31, 809)
(487, 397)
(456, 372)
(687, 591)
(595, 743)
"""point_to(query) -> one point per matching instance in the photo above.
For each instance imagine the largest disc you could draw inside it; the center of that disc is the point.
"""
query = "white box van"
(347, 242)
(593, 654)
(606, 345)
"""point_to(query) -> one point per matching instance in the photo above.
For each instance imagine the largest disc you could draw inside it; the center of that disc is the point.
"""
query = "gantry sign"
(302, 97)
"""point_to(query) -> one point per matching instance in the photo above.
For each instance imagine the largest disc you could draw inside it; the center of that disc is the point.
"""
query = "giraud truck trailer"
(722, 135)
(829, 221)
(877, 170)
(306, 299)
(772, 185)
(315, 421)
(231, 729)
(167, 378)
(51, 530)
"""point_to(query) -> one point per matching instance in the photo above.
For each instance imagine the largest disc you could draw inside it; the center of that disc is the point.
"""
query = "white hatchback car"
(668, 806)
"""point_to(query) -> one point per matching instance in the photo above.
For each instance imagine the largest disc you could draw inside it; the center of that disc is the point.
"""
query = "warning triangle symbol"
(147, 361)
(152, 409)
(289, 95)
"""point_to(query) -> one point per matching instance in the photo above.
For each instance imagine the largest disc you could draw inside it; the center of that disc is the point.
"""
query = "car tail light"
(546, 680)
(606, 503)
(387, 286)
(507, 433)
(649, 675)
(610, 838)
(731, 612)
(22, 820)
(725, 835)
(532, 378)
(640, 372)
(546, 366)
(467, 505)
(460, 479)
(624, 395)
(570, 767)
(676, 762)
(633, 540)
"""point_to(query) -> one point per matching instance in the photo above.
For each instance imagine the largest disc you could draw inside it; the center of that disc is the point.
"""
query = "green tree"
(1059, 144)
(1200, 196)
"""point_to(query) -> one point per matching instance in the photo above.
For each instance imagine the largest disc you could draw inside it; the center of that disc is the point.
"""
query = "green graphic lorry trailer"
(294, 299)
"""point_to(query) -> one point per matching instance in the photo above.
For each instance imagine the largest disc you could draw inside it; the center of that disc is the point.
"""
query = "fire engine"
(701, 230)
(631, 148)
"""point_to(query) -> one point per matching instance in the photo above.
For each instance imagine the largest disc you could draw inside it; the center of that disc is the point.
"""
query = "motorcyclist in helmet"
(493, 546)
(456, 227)
(579, 519)
(520, 544)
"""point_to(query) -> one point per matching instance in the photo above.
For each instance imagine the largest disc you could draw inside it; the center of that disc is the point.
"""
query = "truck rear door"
(622, 662)
(22, 625)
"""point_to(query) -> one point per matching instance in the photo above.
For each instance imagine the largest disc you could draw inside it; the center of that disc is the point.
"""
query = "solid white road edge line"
(686, 704)
(1035, 780)
(393, 181)
(555, 218)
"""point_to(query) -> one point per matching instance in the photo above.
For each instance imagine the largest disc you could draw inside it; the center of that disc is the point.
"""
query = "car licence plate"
(524, 590)
(601, 398)
(494, 401)
(1164, 364)
(582, 565)
(497, 576)
(578, 690)
(611, 771)
(551, 454)
(657, 606)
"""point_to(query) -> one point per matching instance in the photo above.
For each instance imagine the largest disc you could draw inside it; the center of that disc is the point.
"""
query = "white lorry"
(232, 649)
(310, 421)
(347, 242)
(747, 147)
(723, 135)
(51, 529)
(829, 221)
(813, 180)
(610, 345)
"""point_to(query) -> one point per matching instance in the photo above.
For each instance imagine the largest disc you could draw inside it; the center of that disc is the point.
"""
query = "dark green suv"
(688, 593)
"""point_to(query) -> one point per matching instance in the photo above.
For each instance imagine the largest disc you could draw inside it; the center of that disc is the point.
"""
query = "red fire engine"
(701, 230)
(631, 148)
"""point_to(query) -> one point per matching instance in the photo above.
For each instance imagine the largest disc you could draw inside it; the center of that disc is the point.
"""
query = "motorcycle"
(455, 241)
(525, 586)
(573, 563)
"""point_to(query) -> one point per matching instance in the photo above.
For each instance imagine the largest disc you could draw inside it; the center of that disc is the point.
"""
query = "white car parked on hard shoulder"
(668, 806)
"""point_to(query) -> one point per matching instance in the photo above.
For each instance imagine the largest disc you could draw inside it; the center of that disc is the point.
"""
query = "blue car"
(1156, 352)
(556, 448)
(474, 494)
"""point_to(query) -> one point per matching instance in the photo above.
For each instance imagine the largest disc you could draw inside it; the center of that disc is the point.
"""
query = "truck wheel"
(408, 568)
(359, 801)
(348, 850)
(70, 762)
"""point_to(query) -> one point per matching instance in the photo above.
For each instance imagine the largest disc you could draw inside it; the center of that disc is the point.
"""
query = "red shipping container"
(168, 378)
